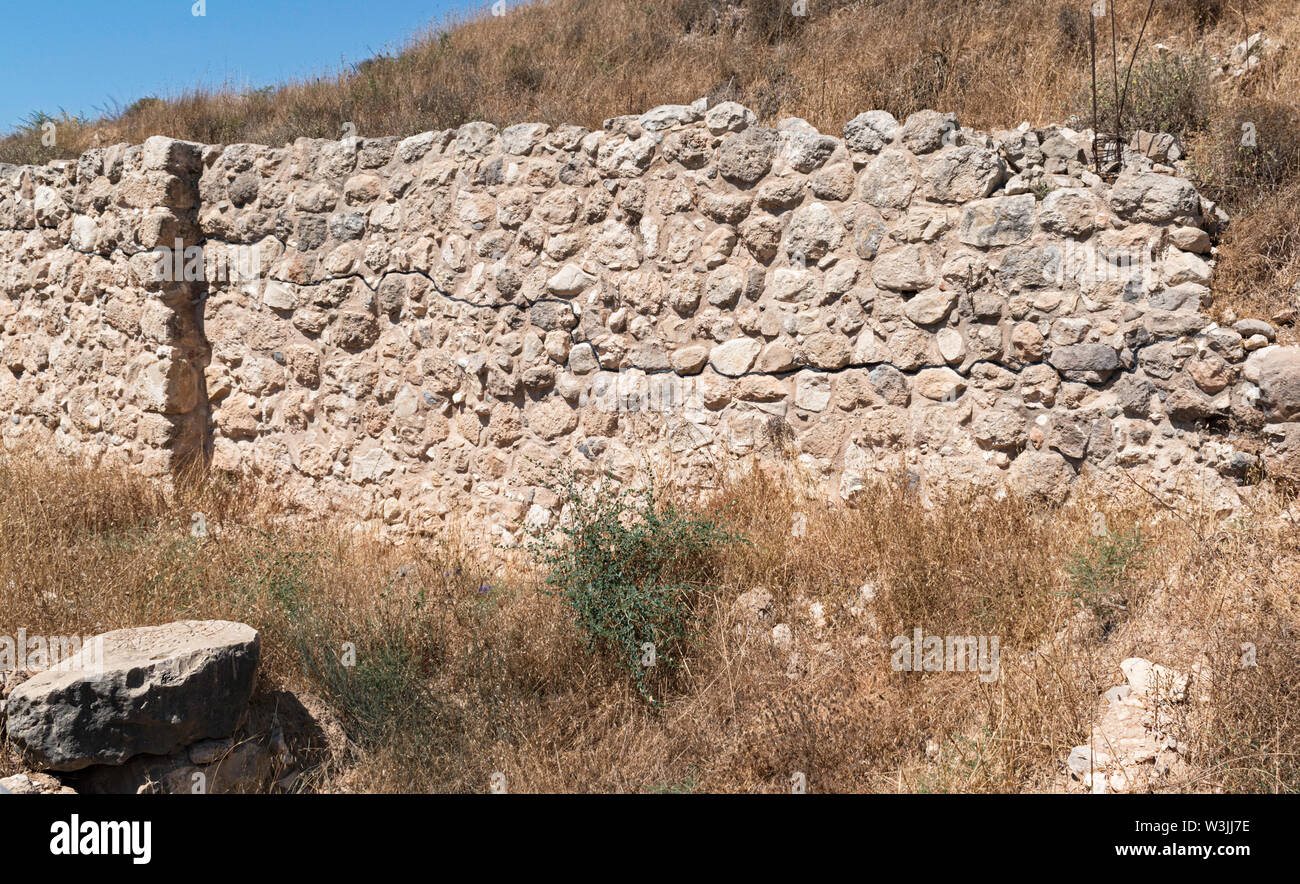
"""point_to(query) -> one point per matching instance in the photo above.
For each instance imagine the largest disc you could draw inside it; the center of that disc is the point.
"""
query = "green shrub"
(629, 566)
(1172, 94)
(687, 786)
(275, 574)
(1099, 576)
(376, 672)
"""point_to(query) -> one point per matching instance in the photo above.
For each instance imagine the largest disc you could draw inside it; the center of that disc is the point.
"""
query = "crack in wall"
(963, 369)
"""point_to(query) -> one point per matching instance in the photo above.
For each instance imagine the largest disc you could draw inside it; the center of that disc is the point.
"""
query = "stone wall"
(97, 354)
(400, 329)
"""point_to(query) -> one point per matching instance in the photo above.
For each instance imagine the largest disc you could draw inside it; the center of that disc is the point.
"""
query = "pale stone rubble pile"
(409, 327)
(1141, 734)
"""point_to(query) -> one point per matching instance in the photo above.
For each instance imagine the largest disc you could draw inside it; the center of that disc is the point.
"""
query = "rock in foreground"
(140, 691)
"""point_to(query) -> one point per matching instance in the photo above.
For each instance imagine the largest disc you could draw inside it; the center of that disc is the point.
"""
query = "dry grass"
(466, 669)
(581, 61)
(1259, 270)
(1259, 273)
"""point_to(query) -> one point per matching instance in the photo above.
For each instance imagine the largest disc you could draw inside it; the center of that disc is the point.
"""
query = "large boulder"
(870, 132)
(965, 173)
(735, 357)
(1148, 196)
(1084, 358)
(1043, 476)
(926, 130)
(133, 692)
(745, 158)
(997, 221)
(1276, 370)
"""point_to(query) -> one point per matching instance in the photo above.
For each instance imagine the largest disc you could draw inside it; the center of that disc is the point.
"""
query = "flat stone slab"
(130, 692)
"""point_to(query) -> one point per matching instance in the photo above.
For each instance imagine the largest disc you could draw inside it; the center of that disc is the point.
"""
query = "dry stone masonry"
(403, 329)
(99, 354)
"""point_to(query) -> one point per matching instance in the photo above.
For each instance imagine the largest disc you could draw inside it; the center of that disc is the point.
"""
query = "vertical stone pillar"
(165, 380)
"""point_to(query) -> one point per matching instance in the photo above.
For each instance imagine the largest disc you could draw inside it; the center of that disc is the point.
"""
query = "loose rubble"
(1138, 739)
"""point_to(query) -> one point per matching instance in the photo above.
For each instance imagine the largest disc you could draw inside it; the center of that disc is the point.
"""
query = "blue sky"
(81, 55)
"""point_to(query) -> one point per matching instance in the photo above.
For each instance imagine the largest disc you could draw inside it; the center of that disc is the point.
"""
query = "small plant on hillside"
(1099, 575)
(277, 575)
(1072, 26)
(687, 786)
(1249, 154)
(1248, 161)
(140, 105)
(1172, 94)
(43, 137)
(1204, 13)
(629, 566)
(375, 671)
